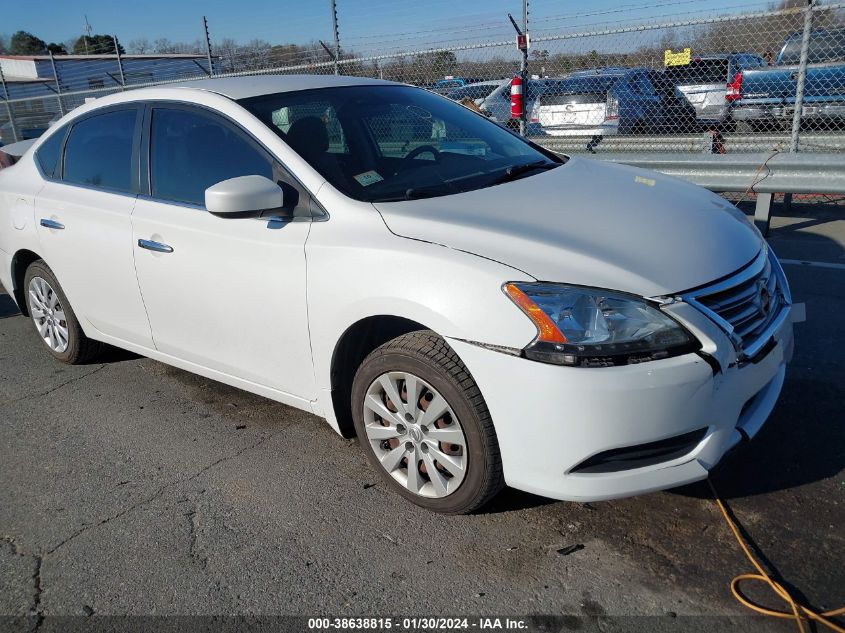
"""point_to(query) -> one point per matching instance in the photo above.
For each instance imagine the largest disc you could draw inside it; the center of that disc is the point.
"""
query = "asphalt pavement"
(128, 487)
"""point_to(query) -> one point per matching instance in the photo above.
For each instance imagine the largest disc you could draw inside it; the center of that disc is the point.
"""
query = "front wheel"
(424, 425)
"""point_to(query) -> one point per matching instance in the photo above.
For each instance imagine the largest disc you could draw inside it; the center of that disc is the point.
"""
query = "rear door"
(84, 223)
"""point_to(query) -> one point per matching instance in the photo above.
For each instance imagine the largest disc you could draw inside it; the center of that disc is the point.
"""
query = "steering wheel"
(422, 149)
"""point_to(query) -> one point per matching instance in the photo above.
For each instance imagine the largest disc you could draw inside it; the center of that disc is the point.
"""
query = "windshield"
(579, 90)
(473, 92)
(386, 143)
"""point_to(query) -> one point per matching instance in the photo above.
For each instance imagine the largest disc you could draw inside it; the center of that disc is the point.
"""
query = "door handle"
(158, 247)
(51, 224)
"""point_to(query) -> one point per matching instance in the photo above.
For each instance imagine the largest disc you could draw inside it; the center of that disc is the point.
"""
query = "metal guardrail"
(761, 173)
(764, 174)
(701, 143)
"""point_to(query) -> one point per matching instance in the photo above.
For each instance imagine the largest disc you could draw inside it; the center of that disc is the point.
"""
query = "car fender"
(358, 269)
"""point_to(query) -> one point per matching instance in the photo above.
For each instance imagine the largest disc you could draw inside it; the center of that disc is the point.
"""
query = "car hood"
(590, 223)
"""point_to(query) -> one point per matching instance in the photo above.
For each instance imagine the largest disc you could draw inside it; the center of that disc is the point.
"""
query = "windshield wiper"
(414, 193)
(515, 171)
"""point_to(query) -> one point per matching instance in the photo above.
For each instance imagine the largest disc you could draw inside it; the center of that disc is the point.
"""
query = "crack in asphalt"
(193, 523)
(56, 388)
(164, 488)
(35, 610)
(36, 598)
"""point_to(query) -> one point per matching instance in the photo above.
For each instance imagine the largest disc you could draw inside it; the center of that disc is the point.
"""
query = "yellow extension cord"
(798, 612)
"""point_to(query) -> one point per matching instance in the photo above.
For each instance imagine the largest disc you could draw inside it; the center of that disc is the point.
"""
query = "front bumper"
(550, 419)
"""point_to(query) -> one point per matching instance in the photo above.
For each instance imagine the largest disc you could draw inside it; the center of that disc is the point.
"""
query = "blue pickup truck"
(765, 98)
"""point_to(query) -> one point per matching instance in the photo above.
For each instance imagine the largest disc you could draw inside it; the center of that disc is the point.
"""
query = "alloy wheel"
(48, 315)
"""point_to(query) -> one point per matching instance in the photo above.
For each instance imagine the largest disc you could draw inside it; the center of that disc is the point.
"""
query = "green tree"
(96, 45)
(23, 43)
(57, 49)
(445, 61)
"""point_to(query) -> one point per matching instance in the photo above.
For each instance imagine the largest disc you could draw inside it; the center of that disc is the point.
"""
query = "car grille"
(746, 304)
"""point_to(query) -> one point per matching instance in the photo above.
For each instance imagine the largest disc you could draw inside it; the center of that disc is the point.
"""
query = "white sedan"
(478, 310)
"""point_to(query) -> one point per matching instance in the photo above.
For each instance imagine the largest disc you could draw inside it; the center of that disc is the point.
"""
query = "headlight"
(596, 328)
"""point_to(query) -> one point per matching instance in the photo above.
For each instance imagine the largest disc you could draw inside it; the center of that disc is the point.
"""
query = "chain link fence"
(757, 81)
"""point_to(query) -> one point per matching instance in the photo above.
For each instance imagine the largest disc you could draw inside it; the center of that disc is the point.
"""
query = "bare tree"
(162, 45)
(140, 46)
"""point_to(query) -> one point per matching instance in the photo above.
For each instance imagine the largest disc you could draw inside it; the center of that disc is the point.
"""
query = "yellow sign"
(676, 59)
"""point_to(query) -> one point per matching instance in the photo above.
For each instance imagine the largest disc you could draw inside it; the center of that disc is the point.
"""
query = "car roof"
(599, 72)
(706, 56)
(490, 82)
(256, 86)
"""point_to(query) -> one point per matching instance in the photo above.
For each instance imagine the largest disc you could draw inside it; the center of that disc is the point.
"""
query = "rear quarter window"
(47, 155)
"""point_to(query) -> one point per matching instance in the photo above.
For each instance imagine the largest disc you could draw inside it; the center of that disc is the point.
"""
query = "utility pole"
(802, 75)
(523, 43)
(523, 123)
(336, 38)
(119, 63)
(58, 84)
(86, 34)
(8, 106)
(208, 47)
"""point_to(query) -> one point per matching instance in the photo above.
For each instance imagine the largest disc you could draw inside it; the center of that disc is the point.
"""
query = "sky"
(366, 26)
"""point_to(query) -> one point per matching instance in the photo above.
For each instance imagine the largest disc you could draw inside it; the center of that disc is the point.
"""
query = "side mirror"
(243, 197)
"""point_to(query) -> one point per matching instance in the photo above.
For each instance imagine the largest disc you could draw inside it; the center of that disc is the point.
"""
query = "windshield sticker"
(645, 181)
(368, 178)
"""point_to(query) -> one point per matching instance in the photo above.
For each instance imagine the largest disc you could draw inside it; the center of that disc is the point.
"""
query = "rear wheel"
(54, 319)
(424, 425)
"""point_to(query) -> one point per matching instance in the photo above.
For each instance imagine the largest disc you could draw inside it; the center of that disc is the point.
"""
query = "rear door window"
(699, 71)
(98, 152)
(641, 85)
(578, 90)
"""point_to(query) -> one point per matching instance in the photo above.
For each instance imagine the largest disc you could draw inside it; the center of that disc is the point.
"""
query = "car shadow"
(110, 354)
(511, 500)
(8, 308)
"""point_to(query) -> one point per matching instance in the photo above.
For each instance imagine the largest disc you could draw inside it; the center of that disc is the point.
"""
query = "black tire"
(427, 356)
(80, 349)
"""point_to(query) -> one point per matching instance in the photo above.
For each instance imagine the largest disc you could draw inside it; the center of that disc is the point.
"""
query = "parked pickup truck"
(766, 97)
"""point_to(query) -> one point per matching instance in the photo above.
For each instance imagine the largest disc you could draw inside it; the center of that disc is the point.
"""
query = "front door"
(226, 294)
